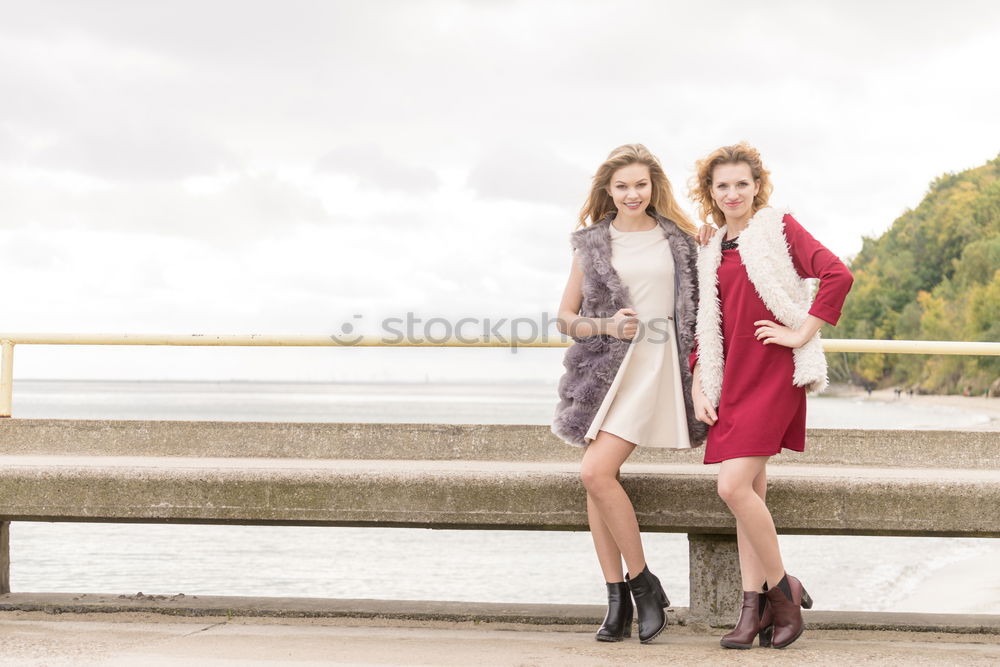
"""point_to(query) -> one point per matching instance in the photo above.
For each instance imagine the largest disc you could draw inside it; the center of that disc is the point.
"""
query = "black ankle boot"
(649, 603)
(617, 624)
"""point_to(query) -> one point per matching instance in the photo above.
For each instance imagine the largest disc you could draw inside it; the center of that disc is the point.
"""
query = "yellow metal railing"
(8, 341)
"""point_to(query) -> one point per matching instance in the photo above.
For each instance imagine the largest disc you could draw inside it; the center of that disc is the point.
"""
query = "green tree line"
(934, 275)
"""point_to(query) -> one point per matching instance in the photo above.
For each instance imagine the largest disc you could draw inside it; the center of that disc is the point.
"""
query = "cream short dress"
(645, 403)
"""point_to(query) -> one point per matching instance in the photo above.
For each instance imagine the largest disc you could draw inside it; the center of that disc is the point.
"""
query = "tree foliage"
(934, 275)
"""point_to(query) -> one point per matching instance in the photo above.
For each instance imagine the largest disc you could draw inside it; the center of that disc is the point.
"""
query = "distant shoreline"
(990, 407)
(981, 404)
(835, 389)
(477, 382)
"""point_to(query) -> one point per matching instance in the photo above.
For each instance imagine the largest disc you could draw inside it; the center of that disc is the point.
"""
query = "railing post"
(4, 557)
(6, 378)
(714, 575)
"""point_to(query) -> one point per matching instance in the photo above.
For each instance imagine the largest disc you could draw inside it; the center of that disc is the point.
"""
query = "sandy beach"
(977, 404)
(976, 580)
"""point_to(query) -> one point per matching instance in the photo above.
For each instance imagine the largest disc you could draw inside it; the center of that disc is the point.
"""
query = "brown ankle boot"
(784, 612)
(748, 626)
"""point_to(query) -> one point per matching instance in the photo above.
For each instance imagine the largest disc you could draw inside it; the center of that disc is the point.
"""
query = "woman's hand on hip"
(624, 324)
(770, 333)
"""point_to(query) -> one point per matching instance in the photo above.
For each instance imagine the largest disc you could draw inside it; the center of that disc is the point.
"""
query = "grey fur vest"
(591, 363)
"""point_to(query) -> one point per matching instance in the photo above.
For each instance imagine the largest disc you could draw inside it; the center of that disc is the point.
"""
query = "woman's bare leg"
(736, 488)
(608, 553)
(601, 461)
(751, 569)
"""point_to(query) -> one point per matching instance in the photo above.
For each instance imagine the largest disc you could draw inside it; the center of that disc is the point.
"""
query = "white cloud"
(130, 151)
(374, 170)
(10, 148)
(239, 166)
(529, 174)
(236, 210)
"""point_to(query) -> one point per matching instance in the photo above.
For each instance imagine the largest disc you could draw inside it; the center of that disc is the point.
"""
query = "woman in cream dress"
(645, 404)
(623, 377)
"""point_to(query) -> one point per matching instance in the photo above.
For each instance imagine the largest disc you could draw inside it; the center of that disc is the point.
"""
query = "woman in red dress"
(758, 351)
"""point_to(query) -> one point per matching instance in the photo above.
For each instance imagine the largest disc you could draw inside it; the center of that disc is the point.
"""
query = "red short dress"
(760, 411)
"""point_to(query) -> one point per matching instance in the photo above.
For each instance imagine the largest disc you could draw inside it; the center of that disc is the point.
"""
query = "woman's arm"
(705, 233)
(811, 260)
(814, 260)
(622, 324)
(772, 332)
(703, 410)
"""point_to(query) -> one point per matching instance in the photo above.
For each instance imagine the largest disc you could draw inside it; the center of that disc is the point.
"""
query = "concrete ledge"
(67, 437)
(204, 605)
(532, 614)
(483, 495)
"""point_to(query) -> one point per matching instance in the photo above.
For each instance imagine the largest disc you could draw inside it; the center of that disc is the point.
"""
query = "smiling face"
(631, 189)
(733, 189)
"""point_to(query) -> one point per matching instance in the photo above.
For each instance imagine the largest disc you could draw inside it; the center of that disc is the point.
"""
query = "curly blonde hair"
(701, 183)
(599, 204)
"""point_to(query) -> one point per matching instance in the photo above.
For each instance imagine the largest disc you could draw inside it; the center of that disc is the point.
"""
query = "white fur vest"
(764, 254)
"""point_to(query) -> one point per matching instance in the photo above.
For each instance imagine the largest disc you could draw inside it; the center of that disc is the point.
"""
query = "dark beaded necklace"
(730, 244)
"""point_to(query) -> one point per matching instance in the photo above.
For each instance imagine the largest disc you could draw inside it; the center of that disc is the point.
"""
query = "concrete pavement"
(149, 640)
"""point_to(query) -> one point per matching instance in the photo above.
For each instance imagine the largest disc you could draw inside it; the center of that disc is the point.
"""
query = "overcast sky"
(282, 167)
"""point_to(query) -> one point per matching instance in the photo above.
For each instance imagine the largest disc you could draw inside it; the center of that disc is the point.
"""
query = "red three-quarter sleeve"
(813, 260)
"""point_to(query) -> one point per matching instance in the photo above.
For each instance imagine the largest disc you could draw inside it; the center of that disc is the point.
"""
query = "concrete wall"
(483, 494)
(929, 483)
(910, 449)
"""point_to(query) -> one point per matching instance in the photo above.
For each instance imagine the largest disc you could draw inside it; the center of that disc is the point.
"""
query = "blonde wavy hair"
(599, 204)
(701, 183)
